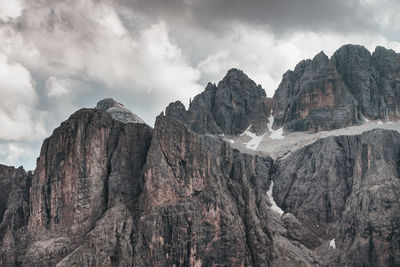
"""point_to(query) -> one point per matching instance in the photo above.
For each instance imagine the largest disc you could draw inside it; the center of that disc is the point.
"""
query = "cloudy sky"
(58, 56)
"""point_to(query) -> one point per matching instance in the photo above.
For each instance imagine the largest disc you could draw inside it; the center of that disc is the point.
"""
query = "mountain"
(230, 108)
(325, 94)
(109, 190)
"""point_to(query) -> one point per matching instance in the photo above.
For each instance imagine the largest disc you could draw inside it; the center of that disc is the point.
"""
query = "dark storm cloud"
(279, 15)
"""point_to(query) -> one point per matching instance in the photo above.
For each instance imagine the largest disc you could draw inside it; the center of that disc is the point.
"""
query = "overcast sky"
(58, 56)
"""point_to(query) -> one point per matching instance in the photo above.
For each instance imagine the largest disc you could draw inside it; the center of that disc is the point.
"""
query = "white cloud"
(10, 9)
(18, 118)
(56, 87)
(217, 63)
(265, 57)
(97, 47)
(15, 153)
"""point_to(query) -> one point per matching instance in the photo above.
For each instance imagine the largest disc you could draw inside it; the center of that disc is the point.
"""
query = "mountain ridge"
(109, 190)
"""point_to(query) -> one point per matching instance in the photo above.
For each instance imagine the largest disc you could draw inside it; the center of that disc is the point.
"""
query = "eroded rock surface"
(205, 203)
(314, 97)
(326, 94)
(346, 188)
(90, 167)
(14, 212)
(229, 108)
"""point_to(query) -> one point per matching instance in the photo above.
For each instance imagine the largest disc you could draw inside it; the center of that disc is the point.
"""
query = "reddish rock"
(204, 202)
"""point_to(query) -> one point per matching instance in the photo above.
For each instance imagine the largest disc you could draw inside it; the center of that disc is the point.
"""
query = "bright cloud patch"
(10, 9)
(17, 116)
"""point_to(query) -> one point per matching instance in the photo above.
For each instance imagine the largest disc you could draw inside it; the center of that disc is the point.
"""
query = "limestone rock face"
(14, 212)
(373, 80)
(326, 94)
(91, 165)
(346, 188)
(204, 203)
(230, 108)
(314, 97)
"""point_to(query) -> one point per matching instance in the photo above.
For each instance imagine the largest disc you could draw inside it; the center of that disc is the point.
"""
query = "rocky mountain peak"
(321, 57)
(321, 64)
(326, 94)
(118, 111)
(230, 108)
(351, 51)
(383, 51)
(210, 86)
(107, 103)
(237, 80)
(235, 74)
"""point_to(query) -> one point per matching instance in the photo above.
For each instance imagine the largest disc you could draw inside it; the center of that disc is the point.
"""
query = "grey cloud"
(281, 16)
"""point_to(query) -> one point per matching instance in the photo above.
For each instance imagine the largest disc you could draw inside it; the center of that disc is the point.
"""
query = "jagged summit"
(321, 56)
(230, 107)
(331, 93)
(235, 73)
(118, 111)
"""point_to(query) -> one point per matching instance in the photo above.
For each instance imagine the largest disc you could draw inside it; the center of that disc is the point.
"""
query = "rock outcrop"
(373, 80)
(204, 203)
(346, 189)
(229, 108)
(88, 171)
(314, 97)
(326, 94)
(14, 212)
(118, 111)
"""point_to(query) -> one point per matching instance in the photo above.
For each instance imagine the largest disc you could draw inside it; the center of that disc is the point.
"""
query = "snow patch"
(274, 207)
(275, 134)
(332, 244)
(364, 119)
(271, 122)
(254, 141)
(278, 134)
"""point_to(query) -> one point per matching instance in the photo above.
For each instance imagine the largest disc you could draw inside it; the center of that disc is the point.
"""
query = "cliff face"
(313, 97)
(14, 211)
(102, 195)
(373, 80)
(326, 94)
(229, 108)
(89, 169)
(204, 203)
(346, 188)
